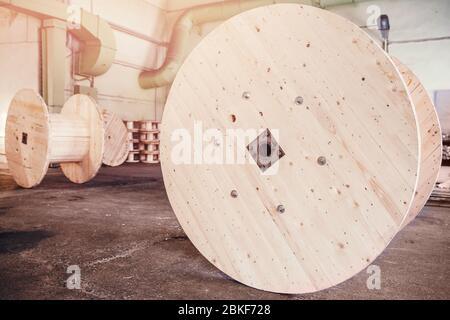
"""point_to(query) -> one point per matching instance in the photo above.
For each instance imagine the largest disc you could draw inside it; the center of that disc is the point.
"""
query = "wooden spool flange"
(3, 163)
(116, 140)
(35, 139)
(431, 140)
(348, 170)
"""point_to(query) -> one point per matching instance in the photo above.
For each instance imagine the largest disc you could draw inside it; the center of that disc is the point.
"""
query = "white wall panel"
(143, 27)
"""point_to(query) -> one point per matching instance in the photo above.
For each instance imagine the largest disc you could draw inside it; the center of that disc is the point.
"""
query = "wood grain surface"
(27, 138)
(35, 138)
(431, 140)
(116, 140)
(85, 107)
(345, 123)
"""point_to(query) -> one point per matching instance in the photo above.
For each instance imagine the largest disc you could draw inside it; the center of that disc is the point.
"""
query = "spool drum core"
(85, 107)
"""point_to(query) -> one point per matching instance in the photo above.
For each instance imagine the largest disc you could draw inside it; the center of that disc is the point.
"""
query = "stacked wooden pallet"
(149, 142)
(446, 155)
(441, 196)
(144, 142)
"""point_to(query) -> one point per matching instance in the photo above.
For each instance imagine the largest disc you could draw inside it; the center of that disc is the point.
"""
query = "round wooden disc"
(431, 140)
(87, 108)
(27, 138)
(346, 126)
(116, 140)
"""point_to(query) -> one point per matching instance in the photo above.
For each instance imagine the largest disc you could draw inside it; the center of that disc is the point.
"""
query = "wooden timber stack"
(133, 141)
(149, 142)
(143, 141)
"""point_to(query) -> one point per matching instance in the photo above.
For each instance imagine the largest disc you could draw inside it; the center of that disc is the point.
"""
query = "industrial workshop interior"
(239, 150)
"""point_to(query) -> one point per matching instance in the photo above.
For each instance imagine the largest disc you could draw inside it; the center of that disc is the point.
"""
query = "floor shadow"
(5, 210)
(18, 241)
(7, 183)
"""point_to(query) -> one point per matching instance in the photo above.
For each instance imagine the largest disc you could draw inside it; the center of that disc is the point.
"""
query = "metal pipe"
(178, 48)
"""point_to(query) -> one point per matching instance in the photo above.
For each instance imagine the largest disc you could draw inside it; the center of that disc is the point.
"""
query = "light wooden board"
(85, 107)
(27, 138)
(355, 112)
(431, 140)
(116, 140)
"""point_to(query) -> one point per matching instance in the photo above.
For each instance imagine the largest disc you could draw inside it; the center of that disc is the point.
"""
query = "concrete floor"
(121, 231)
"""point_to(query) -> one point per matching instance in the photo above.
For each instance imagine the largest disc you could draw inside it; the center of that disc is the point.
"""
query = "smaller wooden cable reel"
(336, 108)
(35, 139)
(116, 140)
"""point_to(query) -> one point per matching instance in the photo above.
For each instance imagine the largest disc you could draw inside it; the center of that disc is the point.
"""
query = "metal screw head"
(246, 95)
(322, 161)
(299, 101)
(281, 209)
(234, 194)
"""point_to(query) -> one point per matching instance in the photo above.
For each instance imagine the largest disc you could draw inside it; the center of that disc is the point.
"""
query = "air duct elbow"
(178, 49)
(95, 34)
(98, 45)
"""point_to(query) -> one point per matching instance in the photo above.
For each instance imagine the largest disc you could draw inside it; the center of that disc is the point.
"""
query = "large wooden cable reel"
(431, 140)
(349, 165)
(35, 139)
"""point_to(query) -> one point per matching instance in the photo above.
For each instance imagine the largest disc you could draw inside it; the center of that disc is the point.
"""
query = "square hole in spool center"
(24, 138)
(265, 150)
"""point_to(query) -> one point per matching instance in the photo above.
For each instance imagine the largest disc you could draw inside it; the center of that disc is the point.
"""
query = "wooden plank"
(431, 140)
(347, 128)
